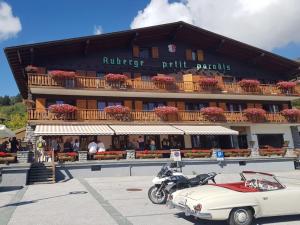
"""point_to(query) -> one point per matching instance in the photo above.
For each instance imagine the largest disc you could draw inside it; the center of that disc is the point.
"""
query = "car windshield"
(261, 181)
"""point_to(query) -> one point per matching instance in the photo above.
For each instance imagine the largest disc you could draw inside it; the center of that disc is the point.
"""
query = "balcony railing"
(150, 116)
(79, 82)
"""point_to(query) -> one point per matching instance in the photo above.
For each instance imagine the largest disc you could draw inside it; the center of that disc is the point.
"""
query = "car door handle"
(265, 198)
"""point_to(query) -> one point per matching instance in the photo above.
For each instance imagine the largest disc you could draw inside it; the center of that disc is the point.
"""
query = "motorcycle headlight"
(170, 198)
(198, 207)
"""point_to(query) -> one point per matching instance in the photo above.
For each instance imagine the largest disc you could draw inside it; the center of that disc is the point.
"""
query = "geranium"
(245, 83)
(31, 69)
(286, 85)
(208, 81)
(112, 77)
(71, 153)
(292, 115)
(163, 111)
(255, 114)
(59, 74)
(4, 154)
(62, 108)
(163, 79)
(117, 110)
(213, 113)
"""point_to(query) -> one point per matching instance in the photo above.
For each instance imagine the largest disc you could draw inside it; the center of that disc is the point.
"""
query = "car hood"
(203, 192)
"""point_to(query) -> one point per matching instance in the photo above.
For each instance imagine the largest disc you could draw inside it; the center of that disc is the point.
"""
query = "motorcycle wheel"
(157, 198)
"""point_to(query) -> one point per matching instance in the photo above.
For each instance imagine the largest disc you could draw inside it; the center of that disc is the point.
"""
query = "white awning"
(145, 129)
(73, 130)
(5, 132)
(206, 130)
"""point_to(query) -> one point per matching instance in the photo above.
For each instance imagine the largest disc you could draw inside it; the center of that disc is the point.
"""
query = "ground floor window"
(211, 141)
(274, 140)
(242, 140)
(119, 142)
(151, 140)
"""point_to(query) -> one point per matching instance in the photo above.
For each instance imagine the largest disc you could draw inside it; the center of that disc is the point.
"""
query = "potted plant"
(115, 80)
(148, 154)
(61, 74)
(255, 114)
(108, 155)
(119, 112)
(292, 115)
(286, 87)
(167, 80)
(31, 69)
(61, 111)
(165, 111)
(197, 153)
(249, 85)
(213, 113)
(208, 83)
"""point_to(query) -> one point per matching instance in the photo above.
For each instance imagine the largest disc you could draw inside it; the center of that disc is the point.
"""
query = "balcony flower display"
(163, 79)
(197, 153)
(108, 155)
(118, 111)
(31, 69)
(255, 114)
(113, 77)
(148, 154)
(208, 82)
(286, 86)
(61, 74)
(62, 110)
(292, 115)
(249, 85)
(213, 113)
(164, 111)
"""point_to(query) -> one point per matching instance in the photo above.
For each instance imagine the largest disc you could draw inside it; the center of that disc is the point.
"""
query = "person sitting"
(68, 146)
(14, 144)
(92, 147)
(100, 146)
(165, 144)
(76, 146)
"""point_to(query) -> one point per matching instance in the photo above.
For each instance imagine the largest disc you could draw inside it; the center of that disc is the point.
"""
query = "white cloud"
(98, 29)
(10, 25)
(267, 24)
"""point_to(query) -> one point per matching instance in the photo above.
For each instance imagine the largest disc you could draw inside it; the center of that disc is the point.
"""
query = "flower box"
(166, 112)
(213, 113)
(113, 77)
(208, 83)
(237, 152)
(109, 155)
(163, 79)
(272, 151)
(61, 74)
(292, 115)
(249, 85)
(148, 155)
(119, 112)
(197, 153)
(67, 156)
(61, 111)
(286, 87)
(255, 114)
(31, 69)
(7, 157)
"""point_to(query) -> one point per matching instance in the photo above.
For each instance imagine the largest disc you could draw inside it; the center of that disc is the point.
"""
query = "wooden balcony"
(94, 83)
(94, 115)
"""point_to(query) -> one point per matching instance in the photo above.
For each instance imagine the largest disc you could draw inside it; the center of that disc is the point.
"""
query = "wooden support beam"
(19, 57)
(86, 47)
(32, 56)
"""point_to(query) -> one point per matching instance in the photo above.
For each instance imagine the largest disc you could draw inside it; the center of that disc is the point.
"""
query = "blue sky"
(58, 19)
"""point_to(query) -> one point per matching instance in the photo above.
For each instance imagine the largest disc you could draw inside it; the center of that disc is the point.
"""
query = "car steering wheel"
(253, 183)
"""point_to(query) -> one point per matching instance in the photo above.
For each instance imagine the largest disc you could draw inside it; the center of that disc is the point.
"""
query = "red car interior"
(238, 186)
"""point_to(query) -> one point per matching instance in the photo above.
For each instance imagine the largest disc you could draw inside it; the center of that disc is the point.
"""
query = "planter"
(213, 113)
(249, 85)
(67, 156)
(148, 156)
(115, 80)
(237, 153)
(118, 112)
(272, 152)
(255, 114)
(197, 153)
(109, 155)
(286, 87)
(292, 115)
(166, 112)
(7, 157)
(62, 111)
(61, 74)
(208, 83)
(166, 80)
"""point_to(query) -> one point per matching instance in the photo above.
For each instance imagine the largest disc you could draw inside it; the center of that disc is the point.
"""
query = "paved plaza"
(104, 201)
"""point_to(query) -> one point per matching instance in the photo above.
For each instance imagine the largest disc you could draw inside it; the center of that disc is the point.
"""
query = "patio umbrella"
(5, 132)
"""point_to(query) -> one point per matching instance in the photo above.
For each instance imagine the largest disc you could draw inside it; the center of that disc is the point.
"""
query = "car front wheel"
(241, 216)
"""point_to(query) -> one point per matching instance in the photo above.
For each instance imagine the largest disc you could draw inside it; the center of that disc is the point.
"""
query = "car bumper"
(188, 212)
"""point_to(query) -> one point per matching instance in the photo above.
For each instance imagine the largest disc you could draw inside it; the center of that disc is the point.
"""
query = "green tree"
(6, 100)
(16, 121)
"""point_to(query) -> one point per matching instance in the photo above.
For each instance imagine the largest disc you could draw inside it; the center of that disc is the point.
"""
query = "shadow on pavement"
(10, 188)
(261, 221)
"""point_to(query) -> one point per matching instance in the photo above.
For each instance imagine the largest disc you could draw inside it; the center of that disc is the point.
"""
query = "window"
(274, 140)
(150, 106)
(145, 53)
(195, 106)
(236, 107)
(194, 55)
(272, 108)
(102, 104)
(100, 75)
(146, 77)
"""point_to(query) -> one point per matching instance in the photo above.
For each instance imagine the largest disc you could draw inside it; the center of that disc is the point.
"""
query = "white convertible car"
(257, 195)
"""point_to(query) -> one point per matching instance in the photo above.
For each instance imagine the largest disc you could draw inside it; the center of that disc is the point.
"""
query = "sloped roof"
(21, 56)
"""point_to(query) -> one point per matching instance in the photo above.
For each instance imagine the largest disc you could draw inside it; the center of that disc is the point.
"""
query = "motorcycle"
(169, 180)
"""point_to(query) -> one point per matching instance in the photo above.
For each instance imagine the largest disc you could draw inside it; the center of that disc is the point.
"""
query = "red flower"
(62, 108)
(212, 111)
(286, 85)
(249, 83)
(117, 109)
(292, 115)
(208, 81)
(116, 77)
(3, 154)
(31, 69)
(163, 79)
(71, 153)
(165, 110)
(255, 114)
(62, 74)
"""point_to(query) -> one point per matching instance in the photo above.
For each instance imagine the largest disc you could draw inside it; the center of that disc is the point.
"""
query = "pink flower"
(165, 110)
(62, 108)
(291, 112)
(117, 109)
(249, 83)
(208, 81)
(255, 112)
(286, 85)
(116, 77)
(212, 111)
(62, 74)
(163, 79)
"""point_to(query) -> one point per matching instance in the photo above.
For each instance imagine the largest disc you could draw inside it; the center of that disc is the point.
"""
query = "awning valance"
(206, 130)
(73, 130)
(5, 132)
(145, 129)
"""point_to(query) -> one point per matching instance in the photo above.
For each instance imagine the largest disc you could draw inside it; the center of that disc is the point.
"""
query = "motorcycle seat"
(194, 181)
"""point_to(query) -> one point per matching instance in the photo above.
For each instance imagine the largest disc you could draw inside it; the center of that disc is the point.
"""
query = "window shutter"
(135, 51)
(181, 106)
(81, 103)
(138, 105)
(40, 104)
(212, 104)
(128, 103)
(200, 55)
(223, 106)
(171, 104)
(92, 104)
(137, 76)
(250, 105)
(155, 54)
(188, 54)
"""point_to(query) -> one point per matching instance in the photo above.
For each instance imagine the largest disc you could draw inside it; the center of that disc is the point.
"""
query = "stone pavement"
(104, 201)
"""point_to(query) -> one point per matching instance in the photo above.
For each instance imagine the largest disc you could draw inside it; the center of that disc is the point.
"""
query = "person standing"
(141, 143)
(14, 144)
(100, 146)
(92, 147)
(76, 146)
(40, 147)
(152, 145)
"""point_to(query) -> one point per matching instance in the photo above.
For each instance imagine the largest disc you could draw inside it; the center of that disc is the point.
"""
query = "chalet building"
(189, 86)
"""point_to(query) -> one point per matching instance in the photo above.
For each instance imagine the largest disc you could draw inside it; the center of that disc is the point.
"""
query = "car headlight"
(198, 207)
